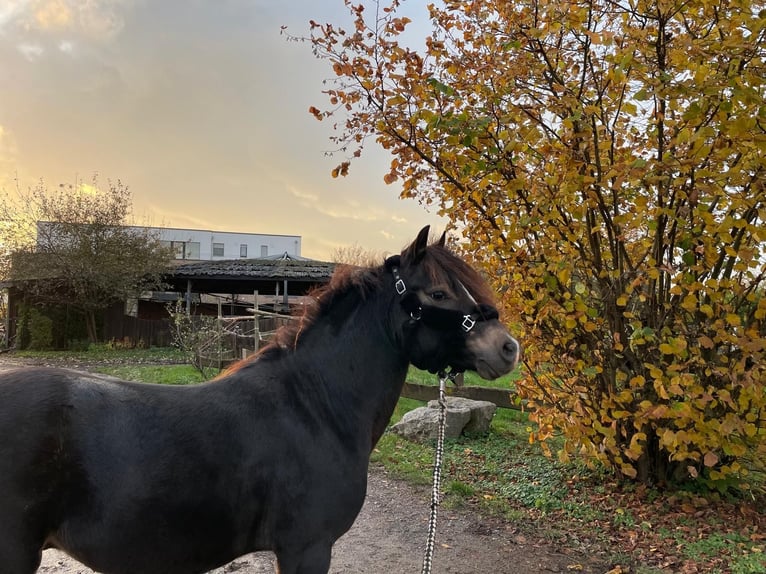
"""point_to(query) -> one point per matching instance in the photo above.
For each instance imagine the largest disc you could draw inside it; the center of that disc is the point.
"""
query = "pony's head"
(446, 315)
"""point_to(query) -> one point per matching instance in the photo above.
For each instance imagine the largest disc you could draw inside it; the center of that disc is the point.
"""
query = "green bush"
(40, 331)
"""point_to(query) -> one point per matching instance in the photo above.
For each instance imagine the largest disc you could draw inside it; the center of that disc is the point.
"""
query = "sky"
(201, 108)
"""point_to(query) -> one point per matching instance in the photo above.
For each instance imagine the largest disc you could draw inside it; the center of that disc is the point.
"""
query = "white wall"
(257, 244)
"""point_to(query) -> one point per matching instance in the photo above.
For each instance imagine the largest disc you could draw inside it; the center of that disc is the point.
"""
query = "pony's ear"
(443, 239)
(393, 261)
(415, 252)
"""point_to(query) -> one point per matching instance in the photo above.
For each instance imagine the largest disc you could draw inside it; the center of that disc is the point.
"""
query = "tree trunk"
(90, 325)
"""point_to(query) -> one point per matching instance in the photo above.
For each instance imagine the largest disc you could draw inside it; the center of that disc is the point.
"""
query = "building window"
(243, 250)
(192, 250)
(183, 249)
(178, 249)
(217, 249)
(264, 250)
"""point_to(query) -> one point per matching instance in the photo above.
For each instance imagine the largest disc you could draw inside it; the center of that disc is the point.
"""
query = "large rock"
(423, 423)
(482, 412)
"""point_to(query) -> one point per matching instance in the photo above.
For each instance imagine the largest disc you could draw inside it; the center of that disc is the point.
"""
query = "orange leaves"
(618, 210)
(342, 169)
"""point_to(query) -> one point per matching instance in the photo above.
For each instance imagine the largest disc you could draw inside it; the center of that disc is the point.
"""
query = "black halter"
(442, 319)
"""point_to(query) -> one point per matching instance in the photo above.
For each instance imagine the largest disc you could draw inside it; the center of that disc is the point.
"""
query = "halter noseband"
(440, 318)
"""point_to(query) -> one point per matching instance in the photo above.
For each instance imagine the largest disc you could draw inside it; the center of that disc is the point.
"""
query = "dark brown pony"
(133, 478)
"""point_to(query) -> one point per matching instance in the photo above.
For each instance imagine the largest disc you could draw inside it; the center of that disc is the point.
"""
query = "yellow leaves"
(675, 346)
(590, 326)
(637, 382)
(628, 470)
(654, 371)
(659, 387)
(707, 310)
(689, 302)
(636, 448)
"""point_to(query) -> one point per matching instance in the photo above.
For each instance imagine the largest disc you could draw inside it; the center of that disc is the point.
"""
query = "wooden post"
(188, 296)
(257, 321)
(276, 298)
(285, 298)
(220, 337)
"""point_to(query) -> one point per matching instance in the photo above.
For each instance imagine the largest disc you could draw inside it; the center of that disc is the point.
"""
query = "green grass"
(162, 374)
(106, 353)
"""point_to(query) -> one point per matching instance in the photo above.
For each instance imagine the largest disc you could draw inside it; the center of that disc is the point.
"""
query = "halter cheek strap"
(436, 317)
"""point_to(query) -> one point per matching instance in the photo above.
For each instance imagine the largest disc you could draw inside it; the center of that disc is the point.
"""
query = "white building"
(203, 245)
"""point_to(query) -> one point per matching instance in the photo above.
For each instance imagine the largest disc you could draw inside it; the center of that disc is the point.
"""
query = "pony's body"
(132, 478)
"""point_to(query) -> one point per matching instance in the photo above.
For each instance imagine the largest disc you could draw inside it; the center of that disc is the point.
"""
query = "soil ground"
(389, 537)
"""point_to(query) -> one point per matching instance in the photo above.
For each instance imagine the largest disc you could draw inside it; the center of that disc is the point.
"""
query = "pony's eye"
(438, 295)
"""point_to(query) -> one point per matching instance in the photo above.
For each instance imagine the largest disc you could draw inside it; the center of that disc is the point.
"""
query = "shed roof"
(248, 275)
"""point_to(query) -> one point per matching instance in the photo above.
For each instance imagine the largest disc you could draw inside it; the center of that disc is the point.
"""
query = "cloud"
(53, 14)
(95, 19)
(308, 198)
(31, 51)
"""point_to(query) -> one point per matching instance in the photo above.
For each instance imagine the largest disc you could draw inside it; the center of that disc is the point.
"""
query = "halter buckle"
(400, 287)
(468, 323)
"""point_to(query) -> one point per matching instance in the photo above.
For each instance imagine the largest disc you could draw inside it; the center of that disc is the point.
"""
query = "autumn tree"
(73, 246)
(355, 254)
(606, 159)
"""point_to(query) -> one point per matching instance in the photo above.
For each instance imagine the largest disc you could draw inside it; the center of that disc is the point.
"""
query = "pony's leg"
(19, 556)
(22, 535)
(312, 560)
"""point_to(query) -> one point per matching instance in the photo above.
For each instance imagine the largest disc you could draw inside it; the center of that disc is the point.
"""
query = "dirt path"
(389, 537)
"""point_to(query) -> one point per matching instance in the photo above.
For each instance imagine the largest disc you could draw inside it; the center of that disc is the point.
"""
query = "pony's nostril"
(512, 350)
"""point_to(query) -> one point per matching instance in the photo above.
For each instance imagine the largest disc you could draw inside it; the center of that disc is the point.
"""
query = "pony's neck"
(355, 357)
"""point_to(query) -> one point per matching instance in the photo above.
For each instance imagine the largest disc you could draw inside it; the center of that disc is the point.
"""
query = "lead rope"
(437, 474)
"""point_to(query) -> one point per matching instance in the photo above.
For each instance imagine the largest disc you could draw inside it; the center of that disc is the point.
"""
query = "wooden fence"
(501, 397)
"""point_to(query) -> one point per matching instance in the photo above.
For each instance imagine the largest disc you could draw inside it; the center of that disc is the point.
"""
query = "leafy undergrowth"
(636, 528)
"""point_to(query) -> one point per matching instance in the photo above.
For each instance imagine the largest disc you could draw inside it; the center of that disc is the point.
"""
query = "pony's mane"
(438, 263)
(345, 279)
